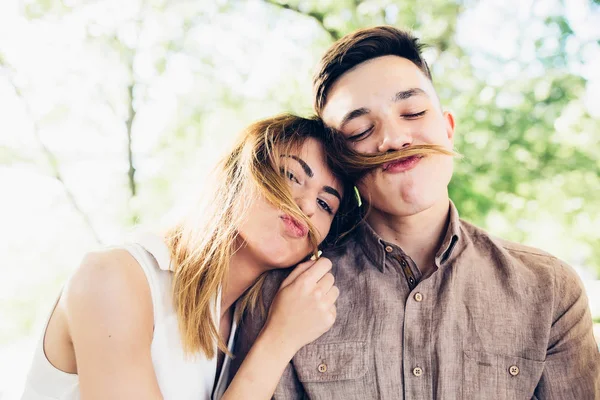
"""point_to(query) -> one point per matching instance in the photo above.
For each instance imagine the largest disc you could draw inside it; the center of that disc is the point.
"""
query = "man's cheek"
(367, 185)
(363, 147)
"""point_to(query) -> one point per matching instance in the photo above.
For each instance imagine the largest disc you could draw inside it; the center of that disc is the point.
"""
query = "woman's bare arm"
(303, 310)
(110, 320)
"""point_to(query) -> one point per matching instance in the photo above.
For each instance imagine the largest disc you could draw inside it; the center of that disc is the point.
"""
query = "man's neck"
(419, 235)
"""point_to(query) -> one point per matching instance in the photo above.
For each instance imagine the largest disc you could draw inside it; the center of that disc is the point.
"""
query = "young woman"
(156, 318)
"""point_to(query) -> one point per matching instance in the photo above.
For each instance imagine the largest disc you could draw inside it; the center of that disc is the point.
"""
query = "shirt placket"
(416, 351)
(417, 362)
(411, 276)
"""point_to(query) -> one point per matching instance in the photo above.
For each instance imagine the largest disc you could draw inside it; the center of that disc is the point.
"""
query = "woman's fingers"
(300, 268)
(326, 282)
(316, 271)
(332, 296)
(304, 308)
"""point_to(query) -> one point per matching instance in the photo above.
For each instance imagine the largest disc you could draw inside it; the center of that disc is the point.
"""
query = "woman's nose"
(307, 205)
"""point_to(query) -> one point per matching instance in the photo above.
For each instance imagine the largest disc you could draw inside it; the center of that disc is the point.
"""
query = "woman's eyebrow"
(330, 190)
(309, 172)
(303, 164)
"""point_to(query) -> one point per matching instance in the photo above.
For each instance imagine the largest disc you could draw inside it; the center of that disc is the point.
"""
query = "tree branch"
(319, 17)
(131, 114)
(52, 160)
(131, 111)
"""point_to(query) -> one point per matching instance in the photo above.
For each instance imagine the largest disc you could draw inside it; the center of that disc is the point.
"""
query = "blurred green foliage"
(531, 148)
(531, 167)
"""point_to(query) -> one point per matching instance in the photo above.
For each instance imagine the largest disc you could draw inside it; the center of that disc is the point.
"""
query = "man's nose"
(395, 137)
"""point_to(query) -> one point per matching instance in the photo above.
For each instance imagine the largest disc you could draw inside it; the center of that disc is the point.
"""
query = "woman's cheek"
(324, 227)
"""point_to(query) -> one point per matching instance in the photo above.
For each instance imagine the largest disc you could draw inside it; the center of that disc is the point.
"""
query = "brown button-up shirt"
(494, 320)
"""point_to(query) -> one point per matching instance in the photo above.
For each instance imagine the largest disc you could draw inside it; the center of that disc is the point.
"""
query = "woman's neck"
(243, 272)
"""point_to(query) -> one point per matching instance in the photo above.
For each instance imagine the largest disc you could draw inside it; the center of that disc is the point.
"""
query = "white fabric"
(179, 377)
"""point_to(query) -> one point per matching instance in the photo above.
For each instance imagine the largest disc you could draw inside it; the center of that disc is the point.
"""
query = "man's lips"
(294, 227)
(402, 165)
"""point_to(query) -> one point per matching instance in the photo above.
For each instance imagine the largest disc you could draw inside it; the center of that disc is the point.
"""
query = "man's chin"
(407, 210)
(402, 205)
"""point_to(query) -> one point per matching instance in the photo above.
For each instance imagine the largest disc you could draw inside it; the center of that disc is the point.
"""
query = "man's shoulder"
(482, 239)
(273, 280)
(517, 256)
(350, 246)
(338, 255)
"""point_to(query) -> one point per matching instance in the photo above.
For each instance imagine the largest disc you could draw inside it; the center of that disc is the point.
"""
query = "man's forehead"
(379, 79)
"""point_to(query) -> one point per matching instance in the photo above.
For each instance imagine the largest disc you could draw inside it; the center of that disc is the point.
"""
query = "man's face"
(386, 104)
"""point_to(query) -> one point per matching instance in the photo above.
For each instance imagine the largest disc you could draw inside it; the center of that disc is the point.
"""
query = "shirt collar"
(371, 244)
(451, 238)
(374, 247)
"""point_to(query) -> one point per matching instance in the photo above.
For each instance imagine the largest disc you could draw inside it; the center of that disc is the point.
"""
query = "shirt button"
(514, 370)
(322, 368)
(417, 372)
(389, 249)
(418, 297)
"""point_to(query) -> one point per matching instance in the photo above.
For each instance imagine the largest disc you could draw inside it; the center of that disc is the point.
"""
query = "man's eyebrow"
(330, 190)
(354, 114)
(406, 94)
(401, 95)
(303, 164)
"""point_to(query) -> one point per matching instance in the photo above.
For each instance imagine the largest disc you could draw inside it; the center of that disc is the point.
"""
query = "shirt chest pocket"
(502, 377)
(324, 369)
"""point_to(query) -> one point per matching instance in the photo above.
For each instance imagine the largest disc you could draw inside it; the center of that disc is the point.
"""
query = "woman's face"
(275, 239)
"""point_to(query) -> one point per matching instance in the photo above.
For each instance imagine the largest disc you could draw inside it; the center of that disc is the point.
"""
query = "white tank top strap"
(156, 246)
(153, 255)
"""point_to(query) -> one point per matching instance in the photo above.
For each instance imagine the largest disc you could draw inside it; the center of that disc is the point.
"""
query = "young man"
(431, 307)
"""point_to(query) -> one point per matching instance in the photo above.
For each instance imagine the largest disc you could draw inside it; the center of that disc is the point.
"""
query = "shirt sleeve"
(572, 365)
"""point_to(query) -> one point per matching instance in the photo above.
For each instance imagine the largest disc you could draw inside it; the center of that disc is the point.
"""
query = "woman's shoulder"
(107, 271)
(108, 287)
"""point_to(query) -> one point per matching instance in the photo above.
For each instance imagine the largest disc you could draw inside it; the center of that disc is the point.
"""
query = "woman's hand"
(304, 307)
(303, 310)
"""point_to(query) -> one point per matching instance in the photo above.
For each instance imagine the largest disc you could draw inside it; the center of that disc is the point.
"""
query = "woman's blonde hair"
(202, 245)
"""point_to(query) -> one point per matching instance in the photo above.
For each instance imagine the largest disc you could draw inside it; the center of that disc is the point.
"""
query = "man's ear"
(449, 121)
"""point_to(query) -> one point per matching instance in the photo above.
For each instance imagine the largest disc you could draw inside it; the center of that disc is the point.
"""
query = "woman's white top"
(179, 377)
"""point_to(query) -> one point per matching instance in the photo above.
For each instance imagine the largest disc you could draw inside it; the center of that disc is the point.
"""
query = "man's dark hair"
(360, 46)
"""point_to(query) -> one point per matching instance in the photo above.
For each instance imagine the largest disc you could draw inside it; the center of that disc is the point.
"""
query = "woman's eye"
(324, 206)
(415, 115)
(290, 175)
(360, 136)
